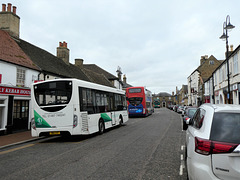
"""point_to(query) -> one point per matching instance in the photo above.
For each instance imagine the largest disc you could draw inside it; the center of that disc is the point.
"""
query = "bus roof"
(86, 84)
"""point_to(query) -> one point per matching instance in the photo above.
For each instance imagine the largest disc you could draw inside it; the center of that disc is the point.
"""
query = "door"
(20, 115)
(112, 108)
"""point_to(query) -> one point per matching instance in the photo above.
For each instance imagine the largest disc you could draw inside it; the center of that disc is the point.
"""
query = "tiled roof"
(98, 78)
(25, 54)
(12, 53)
(163, 94)
(97, 69)
(50, 63)
(126, 85)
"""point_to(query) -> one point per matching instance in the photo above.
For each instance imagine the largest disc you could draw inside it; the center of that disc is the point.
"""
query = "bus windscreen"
(135, 101)
(53, 93)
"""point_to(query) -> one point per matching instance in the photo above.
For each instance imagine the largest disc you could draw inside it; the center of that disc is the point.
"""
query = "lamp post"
(227, 26)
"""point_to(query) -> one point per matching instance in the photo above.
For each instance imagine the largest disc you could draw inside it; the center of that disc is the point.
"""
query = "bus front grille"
(84, 122)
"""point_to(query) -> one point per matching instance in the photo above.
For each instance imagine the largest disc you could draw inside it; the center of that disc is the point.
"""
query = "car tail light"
(207, 147)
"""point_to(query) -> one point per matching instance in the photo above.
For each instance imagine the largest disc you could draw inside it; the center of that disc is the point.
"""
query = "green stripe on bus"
(39, 121)
(105, 117)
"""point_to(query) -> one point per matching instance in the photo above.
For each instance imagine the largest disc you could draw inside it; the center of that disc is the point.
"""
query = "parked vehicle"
(213, 142)
(139, 101)
(180, 109)
(75, 107)
(188, 114)
(175, 108)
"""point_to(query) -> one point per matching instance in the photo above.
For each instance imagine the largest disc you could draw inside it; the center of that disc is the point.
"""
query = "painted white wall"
(9, 74)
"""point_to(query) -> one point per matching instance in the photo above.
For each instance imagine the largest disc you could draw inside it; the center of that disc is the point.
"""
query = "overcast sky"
(157, 43)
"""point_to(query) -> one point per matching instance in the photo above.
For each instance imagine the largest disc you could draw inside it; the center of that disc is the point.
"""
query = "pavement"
(16, 138)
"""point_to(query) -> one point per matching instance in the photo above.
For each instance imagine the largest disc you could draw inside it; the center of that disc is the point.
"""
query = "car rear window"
(226, 127)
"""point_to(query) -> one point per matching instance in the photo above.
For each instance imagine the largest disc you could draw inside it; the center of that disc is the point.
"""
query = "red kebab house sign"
(14, 91)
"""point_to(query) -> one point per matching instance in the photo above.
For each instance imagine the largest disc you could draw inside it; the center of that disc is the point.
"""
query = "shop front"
(14, 109)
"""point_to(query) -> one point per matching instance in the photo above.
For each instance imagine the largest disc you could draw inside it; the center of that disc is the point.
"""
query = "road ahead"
(144, 148)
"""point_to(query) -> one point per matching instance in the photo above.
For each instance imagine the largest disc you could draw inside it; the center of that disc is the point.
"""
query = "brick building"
(196, 80)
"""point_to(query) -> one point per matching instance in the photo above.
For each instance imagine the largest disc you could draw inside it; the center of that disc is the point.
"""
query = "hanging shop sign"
(14, 91)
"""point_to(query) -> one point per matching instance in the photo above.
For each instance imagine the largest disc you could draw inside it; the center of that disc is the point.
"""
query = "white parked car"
(213, 143)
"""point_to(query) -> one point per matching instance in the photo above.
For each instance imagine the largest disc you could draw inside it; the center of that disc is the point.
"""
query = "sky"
(156, 43)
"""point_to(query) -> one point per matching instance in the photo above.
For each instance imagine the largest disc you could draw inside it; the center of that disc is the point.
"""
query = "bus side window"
(98, 102)
(110, 103)
(90, 108)
(82, 99)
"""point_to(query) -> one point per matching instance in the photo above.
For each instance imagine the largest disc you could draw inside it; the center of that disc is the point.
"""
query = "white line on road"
(181, 170)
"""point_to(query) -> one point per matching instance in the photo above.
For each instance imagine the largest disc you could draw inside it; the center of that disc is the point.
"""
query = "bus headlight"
(33, 123)
(75, 121)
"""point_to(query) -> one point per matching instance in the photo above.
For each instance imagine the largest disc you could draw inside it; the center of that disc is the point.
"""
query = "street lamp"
(227, 26)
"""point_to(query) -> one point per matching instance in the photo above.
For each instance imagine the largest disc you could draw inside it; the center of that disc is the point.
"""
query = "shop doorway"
(20, 115)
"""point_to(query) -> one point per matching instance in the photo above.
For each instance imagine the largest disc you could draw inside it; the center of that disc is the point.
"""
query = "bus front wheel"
(101, 126)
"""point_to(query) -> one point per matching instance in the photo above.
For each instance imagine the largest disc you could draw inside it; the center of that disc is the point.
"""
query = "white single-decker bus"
(75, 107)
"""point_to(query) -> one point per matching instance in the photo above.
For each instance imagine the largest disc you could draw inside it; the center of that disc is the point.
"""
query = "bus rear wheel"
(101, 126)
(120, 121)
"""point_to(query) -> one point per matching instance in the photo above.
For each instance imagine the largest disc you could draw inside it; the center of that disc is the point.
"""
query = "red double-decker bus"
(139, 101)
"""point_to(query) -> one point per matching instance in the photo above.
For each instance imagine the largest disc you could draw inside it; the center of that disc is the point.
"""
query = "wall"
(9, 75)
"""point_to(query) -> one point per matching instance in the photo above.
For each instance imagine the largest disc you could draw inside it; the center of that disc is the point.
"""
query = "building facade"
(196, 80)
(165, 99)
(217, 85)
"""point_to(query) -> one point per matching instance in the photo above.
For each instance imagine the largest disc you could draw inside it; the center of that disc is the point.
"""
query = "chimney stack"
(9, 21)
(63, 52)
(3, 7)
(203, 59)
(9, 8)
(124, 79)
(14, 9)
(79, 63)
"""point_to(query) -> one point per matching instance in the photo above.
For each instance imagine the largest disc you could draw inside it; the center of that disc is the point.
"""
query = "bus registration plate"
(54, 133)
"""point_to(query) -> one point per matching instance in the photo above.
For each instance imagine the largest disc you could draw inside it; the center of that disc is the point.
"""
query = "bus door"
(111, 104)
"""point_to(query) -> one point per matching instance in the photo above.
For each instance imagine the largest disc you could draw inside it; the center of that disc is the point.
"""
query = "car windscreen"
(226, 127)
(53, 93)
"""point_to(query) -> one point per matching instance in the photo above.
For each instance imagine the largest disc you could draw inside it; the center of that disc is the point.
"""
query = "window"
(215, 78)
(211, 62)
(226, 127)
(50, 94)
(198, 118)
(220, 75)
(135, 90)
(120, 102)
(20, 77)
(94, 101)
(87, 99)
(235, 64)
